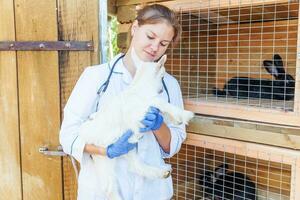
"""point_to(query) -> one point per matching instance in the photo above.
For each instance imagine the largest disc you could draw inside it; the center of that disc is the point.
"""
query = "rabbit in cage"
(221, 184)
(281, 88)
(125, 112)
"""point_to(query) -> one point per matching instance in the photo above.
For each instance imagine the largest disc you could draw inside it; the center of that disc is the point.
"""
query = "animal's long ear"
(221, 170)
(279, 64)
(270, 67)
(162, 60)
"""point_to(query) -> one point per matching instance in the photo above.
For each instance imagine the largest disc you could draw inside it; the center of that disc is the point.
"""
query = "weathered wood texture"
(10, 184)
(126, 14)
(245, 131)
(77, 20)
(38, 82)
(30, 100)
(112, 8)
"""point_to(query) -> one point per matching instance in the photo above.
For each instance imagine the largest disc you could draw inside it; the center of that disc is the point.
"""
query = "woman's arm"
(170, 136)
(163, 137)
(79, 107)
(93, 149)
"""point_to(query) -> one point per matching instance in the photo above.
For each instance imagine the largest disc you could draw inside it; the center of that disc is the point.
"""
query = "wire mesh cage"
(212, 168)
(242, 53)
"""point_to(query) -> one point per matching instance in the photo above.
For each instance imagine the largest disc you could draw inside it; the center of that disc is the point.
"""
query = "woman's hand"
(121, 146)
(152, 120)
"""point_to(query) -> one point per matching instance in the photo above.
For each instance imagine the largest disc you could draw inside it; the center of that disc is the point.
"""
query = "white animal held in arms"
(124, 112)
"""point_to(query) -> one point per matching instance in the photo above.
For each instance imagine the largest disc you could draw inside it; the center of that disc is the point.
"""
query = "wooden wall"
(77, 20)
(38, 85)
(34, 88)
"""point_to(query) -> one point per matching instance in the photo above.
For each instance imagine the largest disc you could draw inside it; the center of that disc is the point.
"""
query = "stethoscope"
(104, 86)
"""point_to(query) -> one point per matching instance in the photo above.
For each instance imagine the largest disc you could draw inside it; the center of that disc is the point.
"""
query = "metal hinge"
(46, 46)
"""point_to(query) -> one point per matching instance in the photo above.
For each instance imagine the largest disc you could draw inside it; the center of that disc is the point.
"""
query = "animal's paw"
(166, 171)
(181, 117)
(158, 173)
(167, 174)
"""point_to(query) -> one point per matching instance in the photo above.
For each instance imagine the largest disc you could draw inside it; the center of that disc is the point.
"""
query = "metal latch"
(58, 152)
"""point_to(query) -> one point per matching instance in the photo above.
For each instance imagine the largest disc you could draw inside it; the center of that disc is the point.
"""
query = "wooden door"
(10, 184)
(34, 87)
(39, 100)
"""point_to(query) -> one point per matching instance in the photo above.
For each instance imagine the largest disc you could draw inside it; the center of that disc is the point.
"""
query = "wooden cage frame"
(255, 114)
(257, 151)
(285, 122)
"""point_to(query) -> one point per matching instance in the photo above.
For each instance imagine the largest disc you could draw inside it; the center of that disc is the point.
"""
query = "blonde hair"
(157, 13)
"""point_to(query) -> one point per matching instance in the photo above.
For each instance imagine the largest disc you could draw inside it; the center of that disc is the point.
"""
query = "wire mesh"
(243, 55)
(196, 175)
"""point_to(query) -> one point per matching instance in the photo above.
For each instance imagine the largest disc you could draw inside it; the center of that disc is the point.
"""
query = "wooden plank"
(39, 100)
(249, 134)
(124, 28)
(295, 195)
(126, 14)
(241, 112)
(112, 7)
(69, 73)
(244, 148)
(183, 5)
(239, 123)
(77, 20)
(131, 2)
(10, 184)
(122, 36)
(297, 77)
(122, 41)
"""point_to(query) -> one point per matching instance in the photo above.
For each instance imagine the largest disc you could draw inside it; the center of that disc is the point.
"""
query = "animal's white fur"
(124, 112)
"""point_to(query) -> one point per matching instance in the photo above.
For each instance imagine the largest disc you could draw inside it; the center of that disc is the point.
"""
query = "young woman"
(154, 29)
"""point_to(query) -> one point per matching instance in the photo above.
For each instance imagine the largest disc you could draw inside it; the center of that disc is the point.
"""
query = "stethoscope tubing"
(104, 86)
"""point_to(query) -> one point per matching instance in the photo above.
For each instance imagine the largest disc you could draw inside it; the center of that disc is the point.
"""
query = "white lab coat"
(82, 103)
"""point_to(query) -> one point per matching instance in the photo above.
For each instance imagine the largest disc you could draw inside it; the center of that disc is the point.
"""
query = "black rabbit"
(221, 184)
(282, 88)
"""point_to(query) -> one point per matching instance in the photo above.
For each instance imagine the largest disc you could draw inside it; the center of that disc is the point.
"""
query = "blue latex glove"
(121, 146)
(152, 120)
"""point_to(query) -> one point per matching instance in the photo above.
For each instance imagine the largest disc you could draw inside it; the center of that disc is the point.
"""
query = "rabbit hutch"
(238, 67)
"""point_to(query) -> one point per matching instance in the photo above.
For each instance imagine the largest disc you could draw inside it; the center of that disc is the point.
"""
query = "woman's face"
(150, 41)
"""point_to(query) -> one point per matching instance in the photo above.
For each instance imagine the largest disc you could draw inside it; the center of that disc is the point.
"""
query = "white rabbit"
(124, 112)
